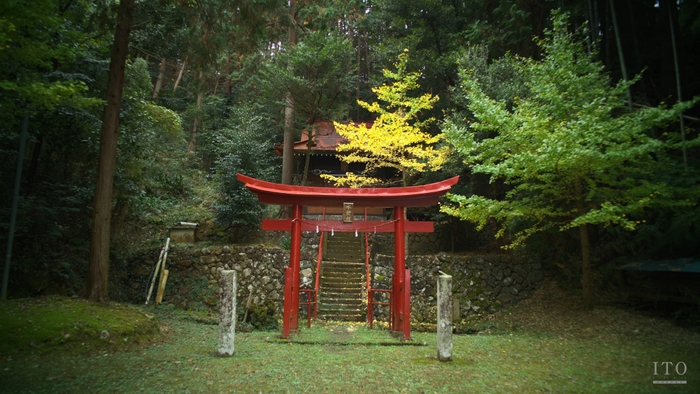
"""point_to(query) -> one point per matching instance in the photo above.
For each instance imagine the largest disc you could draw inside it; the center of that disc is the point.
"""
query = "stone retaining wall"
(481, 283)
(461, 237)
(195, 271)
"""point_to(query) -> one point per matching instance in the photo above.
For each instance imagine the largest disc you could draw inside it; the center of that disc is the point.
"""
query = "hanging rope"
(361, 229)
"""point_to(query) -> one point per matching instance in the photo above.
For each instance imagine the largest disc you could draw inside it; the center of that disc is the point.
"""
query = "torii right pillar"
(401, 282)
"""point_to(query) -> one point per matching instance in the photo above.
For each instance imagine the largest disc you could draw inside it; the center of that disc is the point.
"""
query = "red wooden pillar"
(294, 264)
(399, 271)
(407, 306)
(287, 313)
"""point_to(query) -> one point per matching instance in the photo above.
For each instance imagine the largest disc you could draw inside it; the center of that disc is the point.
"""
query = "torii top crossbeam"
(411, 196)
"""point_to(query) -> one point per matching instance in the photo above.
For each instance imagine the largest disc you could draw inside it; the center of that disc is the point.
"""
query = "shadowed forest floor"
(545, 344)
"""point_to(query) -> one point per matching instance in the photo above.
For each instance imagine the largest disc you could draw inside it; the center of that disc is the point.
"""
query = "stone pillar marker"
(444, 317)
(227, 313)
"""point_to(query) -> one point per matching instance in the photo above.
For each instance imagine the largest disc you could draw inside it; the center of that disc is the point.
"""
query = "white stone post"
(227, 313)
(444, 317)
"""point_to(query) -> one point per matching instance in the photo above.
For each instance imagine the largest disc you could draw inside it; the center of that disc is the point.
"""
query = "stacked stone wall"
(195, 273)
(481, 283)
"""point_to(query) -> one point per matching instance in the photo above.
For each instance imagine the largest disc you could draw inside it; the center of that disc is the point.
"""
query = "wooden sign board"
(347, 212)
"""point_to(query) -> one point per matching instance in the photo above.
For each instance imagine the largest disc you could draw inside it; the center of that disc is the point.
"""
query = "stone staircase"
(340, 291)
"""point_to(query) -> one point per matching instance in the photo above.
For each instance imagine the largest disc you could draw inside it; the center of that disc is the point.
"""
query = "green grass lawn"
(517, 354)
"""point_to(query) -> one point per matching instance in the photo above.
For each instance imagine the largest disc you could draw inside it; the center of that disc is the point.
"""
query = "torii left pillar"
(401, 281)
(291, 277)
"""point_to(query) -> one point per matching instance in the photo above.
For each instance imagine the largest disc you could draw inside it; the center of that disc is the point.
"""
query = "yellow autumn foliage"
(396, 139)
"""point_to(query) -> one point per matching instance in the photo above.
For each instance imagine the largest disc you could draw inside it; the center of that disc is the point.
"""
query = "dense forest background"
(211, 86)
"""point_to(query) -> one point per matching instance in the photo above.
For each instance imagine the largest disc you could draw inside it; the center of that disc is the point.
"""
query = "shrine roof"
(410, 196)
(325, 139)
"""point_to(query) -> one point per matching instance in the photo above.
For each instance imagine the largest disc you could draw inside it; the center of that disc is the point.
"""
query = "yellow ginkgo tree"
(396, 139)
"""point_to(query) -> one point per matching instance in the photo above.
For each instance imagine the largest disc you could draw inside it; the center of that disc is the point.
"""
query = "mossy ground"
(64, 325)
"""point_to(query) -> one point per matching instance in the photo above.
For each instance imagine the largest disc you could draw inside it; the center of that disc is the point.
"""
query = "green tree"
(395, 140)
(316, 75)
(571, 151)
(36, 39)
(243, 146)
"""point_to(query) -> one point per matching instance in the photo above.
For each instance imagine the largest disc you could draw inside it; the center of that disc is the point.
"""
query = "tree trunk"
(96, 283)
(288, 148)
(159, 81)
(120, 211)
(677, 69)
(34, 163)
(228, 79)
(586, 280)
(620, 54)
(357, 82)
(311, 130)
(179, 75)
(216, 82)
(197, 117)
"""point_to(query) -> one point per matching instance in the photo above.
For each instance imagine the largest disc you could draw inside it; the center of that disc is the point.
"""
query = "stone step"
(354, 252)
(335, 244)
(343, 257)
(357, 306)
(347, 272)
(343, 316)
(340, 292)
(331, 288)
(342, 265)
(344, 247)
(340, 289)
(340, 279)
(334, 295)
(353, 278)
(331, 299)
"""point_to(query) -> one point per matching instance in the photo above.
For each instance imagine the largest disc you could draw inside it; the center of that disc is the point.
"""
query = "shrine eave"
(411, 196)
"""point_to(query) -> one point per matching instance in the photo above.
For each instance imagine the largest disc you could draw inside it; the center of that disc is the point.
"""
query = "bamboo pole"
(161, 286)
(154, 275)
(163, 277)
(678, 81)
(161, 260)
(620, 54)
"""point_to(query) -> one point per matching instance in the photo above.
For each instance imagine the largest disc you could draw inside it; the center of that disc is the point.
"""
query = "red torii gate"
(399, 198)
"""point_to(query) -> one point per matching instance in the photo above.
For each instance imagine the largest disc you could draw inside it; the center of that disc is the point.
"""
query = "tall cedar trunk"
(96, 283)
(586, 280)
(288, 148)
